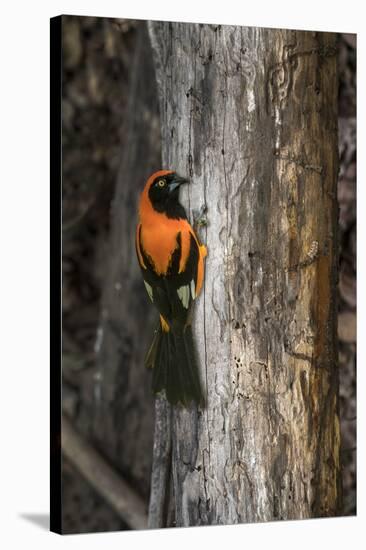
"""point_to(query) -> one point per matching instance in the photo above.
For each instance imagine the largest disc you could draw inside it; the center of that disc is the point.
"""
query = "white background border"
(24, 299)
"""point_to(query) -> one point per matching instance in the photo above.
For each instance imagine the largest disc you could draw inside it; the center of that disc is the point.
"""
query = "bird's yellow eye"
(161, 183)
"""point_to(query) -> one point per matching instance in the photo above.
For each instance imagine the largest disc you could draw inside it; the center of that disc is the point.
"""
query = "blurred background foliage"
(98, 72)
(97, 59)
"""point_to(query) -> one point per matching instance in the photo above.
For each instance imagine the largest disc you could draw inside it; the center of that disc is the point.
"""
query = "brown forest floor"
(97, 58)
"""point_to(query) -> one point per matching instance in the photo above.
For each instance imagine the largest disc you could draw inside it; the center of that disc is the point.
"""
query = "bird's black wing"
(174, 292)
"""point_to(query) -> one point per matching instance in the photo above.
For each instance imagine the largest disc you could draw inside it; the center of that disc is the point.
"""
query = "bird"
(171, 259)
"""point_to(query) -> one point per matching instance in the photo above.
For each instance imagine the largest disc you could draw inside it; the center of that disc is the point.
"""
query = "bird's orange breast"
(159, 240)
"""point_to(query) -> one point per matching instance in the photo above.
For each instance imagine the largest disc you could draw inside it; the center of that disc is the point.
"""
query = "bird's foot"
(199, 217)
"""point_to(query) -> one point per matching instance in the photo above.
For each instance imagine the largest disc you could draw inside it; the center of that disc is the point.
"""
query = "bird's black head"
(164, 195)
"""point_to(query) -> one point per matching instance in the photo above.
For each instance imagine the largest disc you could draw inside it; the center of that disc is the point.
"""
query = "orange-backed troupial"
(172, 264)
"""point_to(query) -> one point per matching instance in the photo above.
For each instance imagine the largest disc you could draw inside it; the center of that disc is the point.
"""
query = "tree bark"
(251, 116)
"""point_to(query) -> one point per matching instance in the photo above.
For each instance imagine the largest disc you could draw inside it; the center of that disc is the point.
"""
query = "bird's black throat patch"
(166, 201)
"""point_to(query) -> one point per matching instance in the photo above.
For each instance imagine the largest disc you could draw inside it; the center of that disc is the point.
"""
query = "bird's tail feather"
(175, 369)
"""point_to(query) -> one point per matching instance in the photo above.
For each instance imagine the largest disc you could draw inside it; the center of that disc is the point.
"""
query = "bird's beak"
(176, 182)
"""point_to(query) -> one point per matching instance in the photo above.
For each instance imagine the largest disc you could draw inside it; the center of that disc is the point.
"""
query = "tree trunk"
(122, 409)
(251, 116)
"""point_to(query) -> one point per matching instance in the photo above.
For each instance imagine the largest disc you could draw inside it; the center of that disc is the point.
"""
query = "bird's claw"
(199, 217)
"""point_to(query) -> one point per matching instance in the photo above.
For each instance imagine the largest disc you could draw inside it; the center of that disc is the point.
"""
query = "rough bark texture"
(122, 407)
(251, 116)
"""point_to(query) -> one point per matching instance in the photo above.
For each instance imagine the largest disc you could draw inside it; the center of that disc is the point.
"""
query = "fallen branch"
(116, 492)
